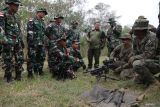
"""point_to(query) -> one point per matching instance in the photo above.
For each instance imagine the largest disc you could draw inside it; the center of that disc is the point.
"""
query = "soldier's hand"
(77, 59)
(84, 67)
(131, 60)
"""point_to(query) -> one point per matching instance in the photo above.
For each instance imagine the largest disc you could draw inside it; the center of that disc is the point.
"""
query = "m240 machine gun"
(102, 71)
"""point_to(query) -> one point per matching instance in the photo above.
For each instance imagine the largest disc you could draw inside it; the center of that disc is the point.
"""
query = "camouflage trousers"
(93, 53)
(13, 58)
(125, 73)
(145, 69)
(36, 57)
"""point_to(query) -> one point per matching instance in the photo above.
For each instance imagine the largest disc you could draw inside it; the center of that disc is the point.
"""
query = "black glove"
(84, 67)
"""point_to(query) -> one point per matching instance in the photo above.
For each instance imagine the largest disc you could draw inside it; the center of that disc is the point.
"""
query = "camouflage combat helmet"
(111, 20)
(42, 10)
(17, 2)
(141, 24)
(126, 36)
(58, 16)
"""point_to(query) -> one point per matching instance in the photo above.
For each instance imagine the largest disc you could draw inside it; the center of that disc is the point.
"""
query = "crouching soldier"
(144, 61)
(121, 55)
(75, 52)
(61, 62)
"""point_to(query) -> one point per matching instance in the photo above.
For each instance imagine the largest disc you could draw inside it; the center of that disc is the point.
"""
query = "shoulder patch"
(1, 14)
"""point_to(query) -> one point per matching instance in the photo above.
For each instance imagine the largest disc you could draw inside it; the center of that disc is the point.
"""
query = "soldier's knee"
(138, 63)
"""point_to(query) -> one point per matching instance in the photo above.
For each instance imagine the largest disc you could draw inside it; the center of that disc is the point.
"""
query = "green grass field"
(47, 92)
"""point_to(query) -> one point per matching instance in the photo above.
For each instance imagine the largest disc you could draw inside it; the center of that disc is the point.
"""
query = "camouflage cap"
(126, 36)
(141, 24)
(17, 2)
(75, 41)
(111, 20)
(58, 16)
(74, 22)
(42, 10)
(141, 17)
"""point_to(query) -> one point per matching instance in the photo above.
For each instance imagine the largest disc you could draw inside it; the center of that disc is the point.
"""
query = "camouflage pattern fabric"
(121, 53)
(76, 54)
(144, 54)
(36, 48)
(113, 35)
(61, 62)
(73, 34)
(53, 32)
(12, 44)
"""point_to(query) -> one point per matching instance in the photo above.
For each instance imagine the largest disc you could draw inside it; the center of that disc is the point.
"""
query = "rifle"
(102, 71)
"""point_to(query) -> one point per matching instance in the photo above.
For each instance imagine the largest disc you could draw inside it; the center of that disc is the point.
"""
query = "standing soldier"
(13, 45)
(95, 38)
(35, 40)
(53, 32)
(144, 60)
(113, 35)
(73, 34)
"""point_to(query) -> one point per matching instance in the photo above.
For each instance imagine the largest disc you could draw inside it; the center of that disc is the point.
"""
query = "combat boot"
(41, 72)
(5, 76)
(30, 74)
(35, 71)
(9, 77)
(18, 76)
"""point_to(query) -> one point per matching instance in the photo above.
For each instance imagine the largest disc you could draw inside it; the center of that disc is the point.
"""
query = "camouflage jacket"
(121, 53)
(61, 55)
(146, 49)
(113, 35)
(35, 31)
(73, 34)
(54, 31)
(10, 27)
(76, 54)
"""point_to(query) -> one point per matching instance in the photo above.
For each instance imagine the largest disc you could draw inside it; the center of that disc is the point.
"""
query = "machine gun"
(102, 71)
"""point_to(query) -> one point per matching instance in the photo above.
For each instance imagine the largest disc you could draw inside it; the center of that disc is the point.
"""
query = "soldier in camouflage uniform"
(73, 34)
(144, 60)
(75, 52)
(12, 43)
(121, 55)
(95, 39)
(53, 32)
(35, 40)
(113, 35)
(62, 61)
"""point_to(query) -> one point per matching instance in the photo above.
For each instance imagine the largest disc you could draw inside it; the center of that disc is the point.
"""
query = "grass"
(47, 92)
